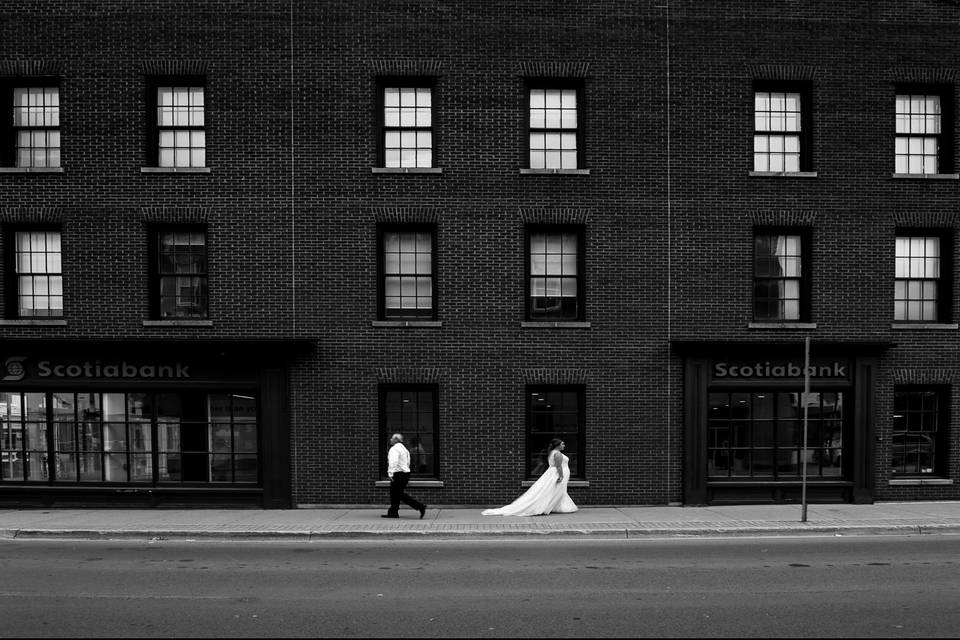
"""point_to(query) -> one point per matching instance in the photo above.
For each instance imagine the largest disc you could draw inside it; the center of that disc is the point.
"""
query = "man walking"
(398, 470)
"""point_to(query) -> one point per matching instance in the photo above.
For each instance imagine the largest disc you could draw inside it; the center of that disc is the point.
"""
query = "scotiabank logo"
(14, 369)
(48, 369)
(781, 370)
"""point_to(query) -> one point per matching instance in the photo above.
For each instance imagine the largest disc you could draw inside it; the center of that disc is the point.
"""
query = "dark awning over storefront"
(691, 347)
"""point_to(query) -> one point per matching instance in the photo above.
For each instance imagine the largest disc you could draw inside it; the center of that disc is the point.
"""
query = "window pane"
(407, 137)
(915, 435)
(553, 254)
(917, 271)
(778, 270)
(409, 253)
(410, 412)
(553, 123)
(553, 413)
(181, 272)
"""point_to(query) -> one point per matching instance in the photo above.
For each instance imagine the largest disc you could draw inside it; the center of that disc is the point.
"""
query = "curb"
(152, 535)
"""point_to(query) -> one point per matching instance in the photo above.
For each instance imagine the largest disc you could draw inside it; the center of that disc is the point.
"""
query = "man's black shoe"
(423, 511)
(387, 515)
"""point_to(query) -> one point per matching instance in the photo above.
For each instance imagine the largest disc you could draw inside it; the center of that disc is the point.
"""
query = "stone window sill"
(32, 322)
(926, 326)
(424, 324)
(782, 325)
(174, 169)
(422, 484)
(926, 176)
(31, 169)
(571, 483)
(406, 170)
(550, 172)
(178, 323)
(783, 174)
(917, 482)
(554, 325)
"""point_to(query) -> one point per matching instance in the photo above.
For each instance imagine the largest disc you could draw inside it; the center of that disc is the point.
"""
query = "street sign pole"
(806, 413)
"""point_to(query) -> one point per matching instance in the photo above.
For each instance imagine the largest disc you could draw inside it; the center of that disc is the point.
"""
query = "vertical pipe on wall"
(293, 186)
(291, 414)
(669, 372)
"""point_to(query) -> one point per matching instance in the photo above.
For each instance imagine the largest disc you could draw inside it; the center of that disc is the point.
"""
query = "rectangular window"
(782, 123)
(144, 438)
(555, 273)
(759, 434)
(176, 122)
(919, 431)
(411, 410)
(555, 412)
(31, 123)
(921, 293)
(781, 281)
(554, 118)
(406, 112)
(924, 130)
(179, 272)
(35, 273)
(407, 272)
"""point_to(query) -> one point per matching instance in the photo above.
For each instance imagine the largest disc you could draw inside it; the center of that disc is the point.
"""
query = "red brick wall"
(291, 205)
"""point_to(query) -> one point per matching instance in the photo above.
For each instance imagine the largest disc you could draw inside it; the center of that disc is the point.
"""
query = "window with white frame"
(177, 122)
(406, 138)
(37, 274)
(555, 288)
(923, 143)
(782, 123)
(921, 293)
(31, 122)
(407, 272)
(555, 129)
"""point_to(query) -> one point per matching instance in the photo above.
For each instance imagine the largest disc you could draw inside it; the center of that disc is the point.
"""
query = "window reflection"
(411, 412)
(554, 412)
(760, 435)
(140, 437)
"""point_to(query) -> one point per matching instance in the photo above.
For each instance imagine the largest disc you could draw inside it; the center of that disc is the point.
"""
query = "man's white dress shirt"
(398, 459)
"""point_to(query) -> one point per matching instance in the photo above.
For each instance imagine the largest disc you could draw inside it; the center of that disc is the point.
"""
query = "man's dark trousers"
(398, 494)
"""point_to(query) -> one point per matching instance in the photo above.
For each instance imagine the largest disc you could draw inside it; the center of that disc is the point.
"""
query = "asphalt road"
(885, 586)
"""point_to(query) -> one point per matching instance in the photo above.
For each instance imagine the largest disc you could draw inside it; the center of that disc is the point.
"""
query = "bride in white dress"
(548, 494)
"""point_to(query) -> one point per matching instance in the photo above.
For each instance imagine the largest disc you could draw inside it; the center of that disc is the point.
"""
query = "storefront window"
(759, 434)
(233, 437)
(128, 438)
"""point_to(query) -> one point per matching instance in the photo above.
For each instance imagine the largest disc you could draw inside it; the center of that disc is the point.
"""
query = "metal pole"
(806, 412)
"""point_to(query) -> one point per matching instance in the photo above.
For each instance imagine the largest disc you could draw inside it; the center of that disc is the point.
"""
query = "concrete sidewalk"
(902, 518)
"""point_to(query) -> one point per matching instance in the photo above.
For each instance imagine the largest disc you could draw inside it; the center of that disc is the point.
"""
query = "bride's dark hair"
(553, 445)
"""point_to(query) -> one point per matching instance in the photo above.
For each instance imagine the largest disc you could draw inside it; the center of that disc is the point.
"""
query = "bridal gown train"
(546, 495)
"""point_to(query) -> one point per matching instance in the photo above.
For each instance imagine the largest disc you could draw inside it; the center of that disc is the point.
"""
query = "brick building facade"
(243, 242)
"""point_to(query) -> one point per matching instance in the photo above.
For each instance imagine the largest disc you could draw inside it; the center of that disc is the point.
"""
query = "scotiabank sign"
(20, 368)
(834, 369)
